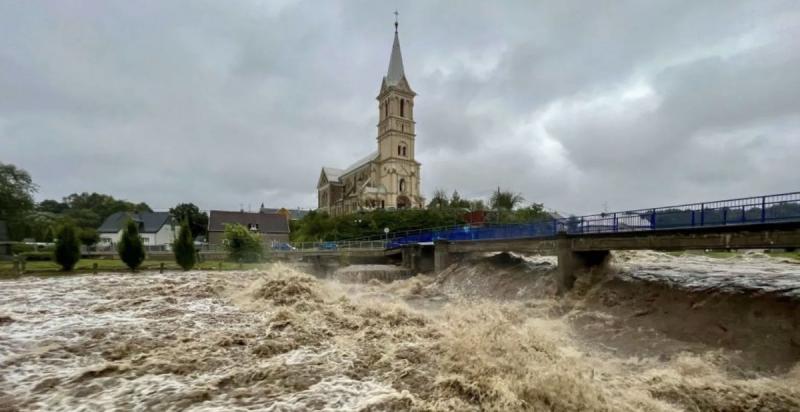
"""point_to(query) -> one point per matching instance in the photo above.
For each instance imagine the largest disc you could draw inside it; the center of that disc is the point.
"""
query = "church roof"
(395, 74)
(332, 173)
(361, 162)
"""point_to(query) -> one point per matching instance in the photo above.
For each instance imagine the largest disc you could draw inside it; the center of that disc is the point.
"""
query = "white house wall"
(164, 236)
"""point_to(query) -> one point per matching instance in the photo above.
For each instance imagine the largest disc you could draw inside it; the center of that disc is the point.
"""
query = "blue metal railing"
(743, 211)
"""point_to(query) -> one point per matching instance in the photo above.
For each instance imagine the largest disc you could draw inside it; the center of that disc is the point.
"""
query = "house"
(155, 228)
(271, 226)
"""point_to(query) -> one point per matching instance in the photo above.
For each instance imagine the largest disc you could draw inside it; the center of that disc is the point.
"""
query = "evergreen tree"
(68, 247)
(183, 247)
(130, 247)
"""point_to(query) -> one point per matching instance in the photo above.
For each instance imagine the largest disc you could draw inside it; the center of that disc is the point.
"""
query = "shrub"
(89, 236)
(36, 256)
(130, 247)
(20, 248)
(242, 245)
(68, 247)
(183, 247)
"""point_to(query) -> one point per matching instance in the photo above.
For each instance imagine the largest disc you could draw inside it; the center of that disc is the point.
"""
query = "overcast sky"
(579, 105)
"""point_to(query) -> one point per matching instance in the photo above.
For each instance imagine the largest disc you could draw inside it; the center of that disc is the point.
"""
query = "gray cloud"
(572, 104)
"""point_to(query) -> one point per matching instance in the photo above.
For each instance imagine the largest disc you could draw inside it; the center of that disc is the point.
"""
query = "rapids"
(654, 333)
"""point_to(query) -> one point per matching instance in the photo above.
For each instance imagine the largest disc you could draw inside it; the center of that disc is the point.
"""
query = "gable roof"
(361, 162)
(332, 174)
(267, 222)
(149, 222)
(294, 214)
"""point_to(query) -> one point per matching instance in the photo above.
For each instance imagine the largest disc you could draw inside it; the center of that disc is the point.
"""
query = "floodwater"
(654, 333)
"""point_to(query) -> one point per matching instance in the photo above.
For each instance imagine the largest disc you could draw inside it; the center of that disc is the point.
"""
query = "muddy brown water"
(655, 333)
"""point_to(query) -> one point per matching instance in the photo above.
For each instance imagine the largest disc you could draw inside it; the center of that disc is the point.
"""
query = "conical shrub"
(68, 247)
(183, 247)
(130, 247)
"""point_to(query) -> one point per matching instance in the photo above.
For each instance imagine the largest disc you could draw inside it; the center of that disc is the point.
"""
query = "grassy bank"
(113, 265)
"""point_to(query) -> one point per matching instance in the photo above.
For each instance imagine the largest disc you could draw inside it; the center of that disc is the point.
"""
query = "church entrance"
(403, 202)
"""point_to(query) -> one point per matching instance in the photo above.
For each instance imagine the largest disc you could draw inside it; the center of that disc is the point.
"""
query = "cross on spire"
(396, 16)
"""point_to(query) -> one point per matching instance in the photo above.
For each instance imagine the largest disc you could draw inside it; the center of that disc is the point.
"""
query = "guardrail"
(334, 245)
(783, 207)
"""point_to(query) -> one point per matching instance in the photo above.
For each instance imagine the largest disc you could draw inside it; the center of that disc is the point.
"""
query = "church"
(388, 178)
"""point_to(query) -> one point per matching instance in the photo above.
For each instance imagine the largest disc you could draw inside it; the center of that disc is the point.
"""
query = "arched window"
(399, 150)
(404, 150)
(402, 106)
(386, 108)
(402, 185)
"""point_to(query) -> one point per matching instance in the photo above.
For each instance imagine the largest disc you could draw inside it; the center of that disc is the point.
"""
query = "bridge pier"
(570, 262)
(441, 255)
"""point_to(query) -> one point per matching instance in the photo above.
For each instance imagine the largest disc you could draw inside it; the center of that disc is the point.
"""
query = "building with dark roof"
(273, 227)
(155, 228)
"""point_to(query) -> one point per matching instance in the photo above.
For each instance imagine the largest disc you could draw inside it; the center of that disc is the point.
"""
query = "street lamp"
(386, 231)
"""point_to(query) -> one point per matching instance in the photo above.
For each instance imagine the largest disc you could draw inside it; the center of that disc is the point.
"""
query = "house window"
(404, 150)
(386, 108)
(402, 107)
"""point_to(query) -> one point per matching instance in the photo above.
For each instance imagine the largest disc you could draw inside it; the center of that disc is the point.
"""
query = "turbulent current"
(652, 333)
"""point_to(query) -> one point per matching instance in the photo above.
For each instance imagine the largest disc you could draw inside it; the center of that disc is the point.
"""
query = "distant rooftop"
(149, 222)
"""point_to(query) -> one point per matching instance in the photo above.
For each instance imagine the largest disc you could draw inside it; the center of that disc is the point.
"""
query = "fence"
(743, 211)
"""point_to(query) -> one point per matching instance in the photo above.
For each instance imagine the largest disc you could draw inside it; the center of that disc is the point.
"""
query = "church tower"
(399, 171)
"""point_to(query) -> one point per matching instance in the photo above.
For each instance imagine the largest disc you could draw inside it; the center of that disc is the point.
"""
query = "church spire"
(395, 73)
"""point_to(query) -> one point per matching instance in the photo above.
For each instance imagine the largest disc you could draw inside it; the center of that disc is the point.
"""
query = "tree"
(477, 205)
(456, 202)
(183, 247)
(89, 236)
(531, 213)
(242, 245)
(16, 198)
(197, 220)
(40, 226)
(52, 206)
(505, 200)
(90, 209)
(130, 247)
(68, 248)
(439, 200)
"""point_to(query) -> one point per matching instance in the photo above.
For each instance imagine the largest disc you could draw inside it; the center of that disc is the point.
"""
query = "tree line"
(27, 219)
(503, 206)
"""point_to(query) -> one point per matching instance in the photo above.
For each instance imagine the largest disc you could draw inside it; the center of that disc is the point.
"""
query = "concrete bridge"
(579, 252)
(762, 222)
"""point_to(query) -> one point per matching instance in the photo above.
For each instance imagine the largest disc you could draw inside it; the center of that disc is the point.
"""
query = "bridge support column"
(570, 262)
(411, 257)
(441, 255)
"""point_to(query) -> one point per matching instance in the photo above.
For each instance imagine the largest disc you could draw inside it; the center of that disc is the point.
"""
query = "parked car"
(282, 246)
(327, 246)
